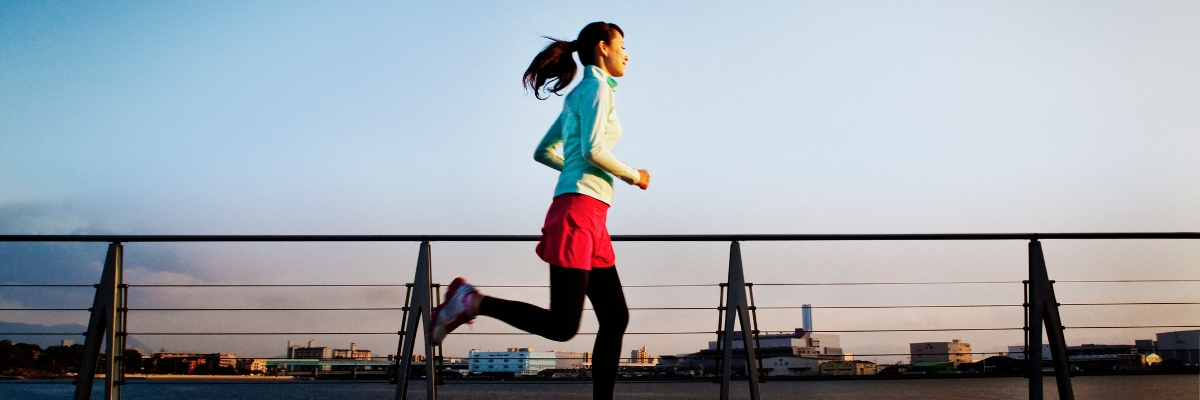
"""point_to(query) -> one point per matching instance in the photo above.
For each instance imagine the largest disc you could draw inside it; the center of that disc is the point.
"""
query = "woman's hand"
(644, 181)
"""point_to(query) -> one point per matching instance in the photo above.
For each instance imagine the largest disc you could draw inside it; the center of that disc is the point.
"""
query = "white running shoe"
(454, 312)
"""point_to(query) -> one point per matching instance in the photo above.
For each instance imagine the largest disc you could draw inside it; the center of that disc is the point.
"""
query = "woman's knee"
(563, 331)
(616, 320)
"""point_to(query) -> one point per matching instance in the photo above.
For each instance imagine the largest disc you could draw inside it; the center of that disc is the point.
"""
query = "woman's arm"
(549, 151)
(593, 122)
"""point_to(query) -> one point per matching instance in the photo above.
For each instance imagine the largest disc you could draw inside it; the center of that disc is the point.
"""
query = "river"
(1139, 387)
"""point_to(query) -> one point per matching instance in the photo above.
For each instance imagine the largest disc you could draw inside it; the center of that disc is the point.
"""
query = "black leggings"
(560, 323)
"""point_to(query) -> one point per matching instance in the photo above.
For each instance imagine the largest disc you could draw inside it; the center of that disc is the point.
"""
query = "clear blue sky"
(775, 117)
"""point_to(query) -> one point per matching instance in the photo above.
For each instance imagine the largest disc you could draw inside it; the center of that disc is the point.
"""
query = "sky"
(398, 117)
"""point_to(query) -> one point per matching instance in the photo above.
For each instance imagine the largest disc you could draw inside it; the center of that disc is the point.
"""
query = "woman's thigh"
(608, 298)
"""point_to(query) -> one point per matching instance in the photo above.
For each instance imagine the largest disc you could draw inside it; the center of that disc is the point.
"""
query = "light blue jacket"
(581, 140)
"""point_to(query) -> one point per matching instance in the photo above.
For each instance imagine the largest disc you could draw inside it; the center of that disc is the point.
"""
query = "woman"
(574, 241)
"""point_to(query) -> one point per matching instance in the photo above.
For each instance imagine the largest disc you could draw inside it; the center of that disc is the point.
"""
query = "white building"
(517, 361)
(1018, 352)
(791, 366)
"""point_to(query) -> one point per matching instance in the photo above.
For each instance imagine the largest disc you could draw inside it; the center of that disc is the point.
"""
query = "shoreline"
(212, 377)
(303, 379)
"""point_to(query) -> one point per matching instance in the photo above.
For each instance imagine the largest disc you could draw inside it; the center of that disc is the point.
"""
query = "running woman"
(574, 239)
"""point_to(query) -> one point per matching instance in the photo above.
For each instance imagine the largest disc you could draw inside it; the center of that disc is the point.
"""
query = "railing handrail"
(616, 238)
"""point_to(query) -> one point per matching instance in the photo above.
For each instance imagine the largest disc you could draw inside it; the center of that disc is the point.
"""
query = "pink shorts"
(575, 235)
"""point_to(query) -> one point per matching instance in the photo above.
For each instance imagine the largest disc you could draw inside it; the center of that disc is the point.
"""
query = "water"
(1146, 387)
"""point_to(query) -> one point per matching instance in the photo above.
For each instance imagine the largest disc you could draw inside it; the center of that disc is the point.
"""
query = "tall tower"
(807, 308)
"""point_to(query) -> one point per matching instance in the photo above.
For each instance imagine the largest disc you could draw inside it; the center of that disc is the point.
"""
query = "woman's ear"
(603, 50)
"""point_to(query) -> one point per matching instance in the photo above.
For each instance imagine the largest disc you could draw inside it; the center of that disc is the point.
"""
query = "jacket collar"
(598, 73)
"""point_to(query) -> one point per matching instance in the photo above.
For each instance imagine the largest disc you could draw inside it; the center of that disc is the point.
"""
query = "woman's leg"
(608, 300)
(560, 322)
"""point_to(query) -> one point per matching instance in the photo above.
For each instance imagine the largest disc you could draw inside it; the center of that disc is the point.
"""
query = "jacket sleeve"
(593, 122)
(549, 151)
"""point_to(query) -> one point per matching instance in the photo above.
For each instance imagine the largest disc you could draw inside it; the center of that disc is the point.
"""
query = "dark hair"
(553, 69)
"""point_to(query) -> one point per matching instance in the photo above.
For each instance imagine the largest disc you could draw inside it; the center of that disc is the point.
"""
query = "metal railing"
(108, 323)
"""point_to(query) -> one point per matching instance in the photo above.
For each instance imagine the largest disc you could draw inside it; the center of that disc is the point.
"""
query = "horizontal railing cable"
(375, 309)
(373, 361)
(274, 309)
(1128, 281)
(267, 285)
(385, 285)
(45, 309)
(590, 309)
(380, 333)
(643, 309)
(617, 238)
(884, 307)
(1134, 327)
(630, 308)
(623, 286)
(887, 283)
(593, 333)
(73, 286)
(1131, 304)
(627, 286)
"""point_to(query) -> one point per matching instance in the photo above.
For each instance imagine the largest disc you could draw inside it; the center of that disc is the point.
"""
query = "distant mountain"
(72, 332)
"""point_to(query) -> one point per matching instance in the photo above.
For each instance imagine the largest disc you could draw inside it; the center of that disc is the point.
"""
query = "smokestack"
(312, 343)
(290, 345)
(807, 312)
(353, 347)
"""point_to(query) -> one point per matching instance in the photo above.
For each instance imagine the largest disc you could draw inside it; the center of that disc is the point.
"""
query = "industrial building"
(314, 352)
(788, 354)
(808, 342)
(326, 353)
(954, 351)
(851, 367)
(1018, 352)
(572, 359)
(1179, 346)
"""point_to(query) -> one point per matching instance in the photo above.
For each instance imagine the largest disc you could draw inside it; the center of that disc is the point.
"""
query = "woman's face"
(612, 56)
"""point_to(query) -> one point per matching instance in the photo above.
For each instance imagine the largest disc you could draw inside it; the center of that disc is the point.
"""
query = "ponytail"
(553, 69)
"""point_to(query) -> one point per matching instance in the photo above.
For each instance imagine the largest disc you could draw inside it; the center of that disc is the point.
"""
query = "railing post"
(1033, 333)
(107, 325)
(1043, 308)
(736, 306)
(420, 310)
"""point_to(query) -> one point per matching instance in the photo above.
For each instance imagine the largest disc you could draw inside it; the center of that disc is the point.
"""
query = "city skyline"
(332, 351)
